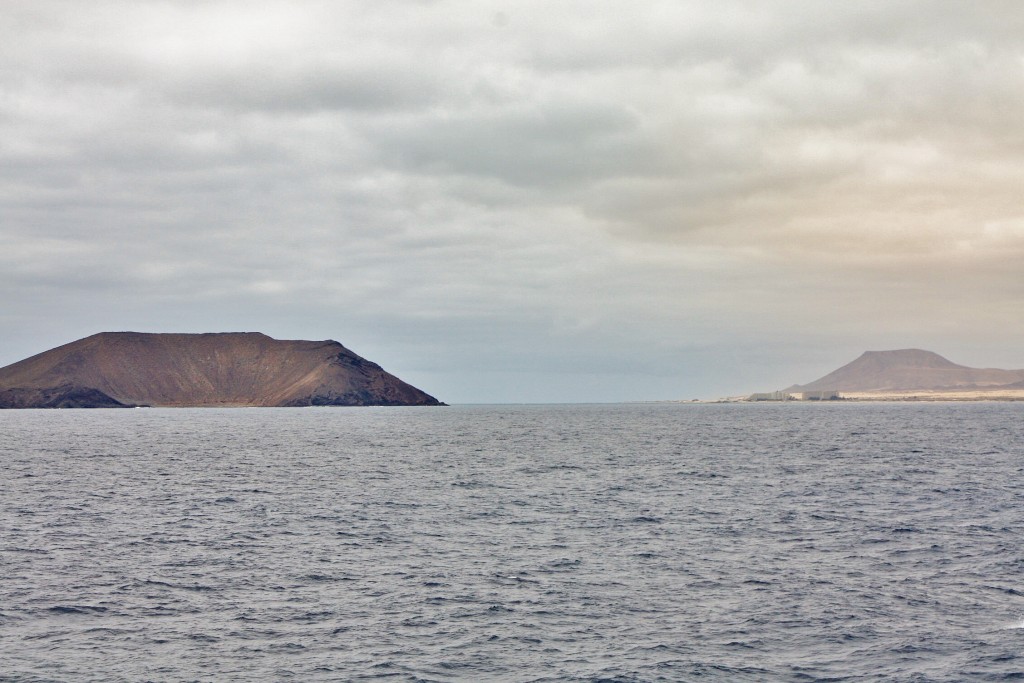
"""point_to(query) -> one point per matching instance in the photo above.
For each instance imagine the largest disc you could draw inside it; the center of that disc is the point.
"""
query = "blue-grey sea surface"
(793, 542)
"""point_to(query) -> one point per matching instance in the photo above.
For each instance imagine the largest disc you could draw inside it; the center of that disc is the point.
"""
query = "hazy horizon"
(529, 202)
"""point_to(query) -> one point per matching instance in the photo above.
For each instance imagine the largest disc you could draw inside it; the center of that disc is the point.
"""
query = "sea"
(637, 542)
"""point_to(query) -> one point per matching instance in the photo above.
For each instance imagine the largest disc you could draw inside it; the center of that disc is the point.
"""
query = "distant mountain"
(124, 369)
(910, 370)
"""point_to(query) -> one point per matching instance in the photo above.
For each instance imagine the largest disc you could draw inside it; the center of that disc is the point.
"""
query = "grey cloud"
(527, 145)
(271, 87)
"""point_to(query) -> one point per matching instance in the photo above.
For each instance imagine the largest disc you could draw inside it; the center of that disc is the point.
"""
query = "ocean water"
(836, 542)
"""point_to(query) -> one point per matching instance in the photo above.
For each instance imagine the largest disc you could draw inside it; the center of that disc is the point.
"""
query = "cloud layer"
(537, 201)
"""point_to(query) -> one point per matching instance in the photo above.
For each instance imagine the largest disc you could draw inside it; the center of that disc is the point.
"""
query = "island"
(906, 374)
(226, 369)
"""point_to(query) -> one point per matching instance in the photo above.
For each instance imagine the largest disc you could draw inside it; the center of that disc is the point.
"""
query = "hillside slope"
(113, 369)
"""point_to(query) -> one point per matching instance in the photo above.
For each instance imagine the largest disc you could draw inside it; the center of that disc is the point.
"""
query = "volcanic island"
(225, 369)
(906, 375)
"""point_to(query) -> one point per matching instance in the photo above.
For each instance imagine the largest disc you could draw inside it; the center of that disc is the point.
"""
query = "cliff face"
(910, 370)
(122, 369)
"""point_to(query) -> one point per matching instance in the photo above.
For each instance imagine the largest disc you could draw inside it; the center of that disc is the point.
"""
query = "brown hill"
(122, 369)
(910, 370)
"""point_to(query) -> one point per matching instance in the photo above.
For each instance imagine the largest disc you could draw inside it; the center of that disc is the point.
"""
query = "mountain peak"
(918, 358)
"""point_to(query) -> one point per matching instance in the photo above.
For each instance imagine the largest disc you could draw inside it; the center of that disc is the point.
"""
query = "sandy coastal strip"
(922, 395)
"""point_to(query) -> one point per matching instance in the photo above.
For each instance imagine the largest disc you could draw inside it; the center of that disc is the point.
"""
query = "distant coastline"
(922, 395)
(903, 375)
(1004, 396)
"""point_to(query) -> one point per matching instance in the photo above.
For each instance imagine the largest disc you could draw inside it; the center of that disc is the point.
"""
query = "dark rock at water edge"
(66, 396)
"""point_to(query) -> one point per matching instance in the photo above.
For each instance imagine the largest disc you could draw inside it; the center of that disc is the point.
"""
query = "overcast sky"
(528, 201)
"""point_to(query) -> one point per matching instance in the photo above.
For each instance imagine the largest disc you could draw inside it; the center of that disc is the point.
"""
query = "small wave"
(514, 579)
(77, 609)
(647, 519)
(564, 562)
(107, 631)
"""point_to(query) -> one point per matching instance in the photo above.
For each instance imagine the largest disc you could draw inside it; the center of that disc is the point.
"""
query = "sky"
(538, 201)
